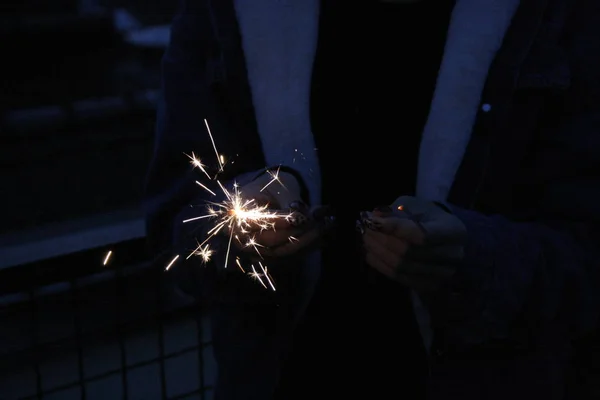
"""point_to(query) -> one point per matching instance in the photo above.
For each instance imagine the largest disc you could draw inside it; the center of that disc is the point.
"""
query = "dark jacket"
(528, 189)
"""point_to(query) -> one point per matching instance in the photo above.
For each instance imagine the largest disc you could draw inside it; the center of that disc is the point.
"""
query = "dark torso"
(376, 68)
(374, 76)
(373, 81)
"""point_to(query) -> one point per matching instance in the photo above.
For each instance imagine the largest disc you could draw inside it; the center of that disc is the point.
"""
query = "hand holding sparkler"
(278, 193)
(263, 218)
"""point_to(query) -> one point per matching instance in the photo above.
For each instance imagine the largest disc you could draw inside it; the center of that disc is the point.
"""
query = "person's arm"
(518, 279)
(190, 93)
(195, 88)
(536, 275)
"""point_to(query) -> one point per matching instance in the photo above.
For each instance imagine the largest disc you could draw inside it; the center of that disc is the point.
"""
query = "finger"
(269, 238)
(303, 242)
(251, 214)
(296, 215)
(269, 219)
(378, 264)
(300, 206)
(390, 242)
(251, 197)
(253, 227)
(400, 227)
(446, 229)
(374, 246)
(382, 211)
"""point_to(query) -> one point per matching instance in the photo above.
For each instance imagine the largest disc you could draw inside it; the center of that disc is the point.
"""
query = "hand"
(414, 242)
(283, 236)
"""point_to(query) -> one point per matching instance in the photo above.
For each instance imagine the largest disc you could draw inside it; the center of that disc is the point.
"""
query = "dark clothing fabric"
(373, 82)
(528, 191)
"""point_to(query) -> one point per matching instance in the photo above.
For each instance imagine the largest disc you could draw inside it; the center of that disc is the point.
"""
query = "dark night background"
(79, 87)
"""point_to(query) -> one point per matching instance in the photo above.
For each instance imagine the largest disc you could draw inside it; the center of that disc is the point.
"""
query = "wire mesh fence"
(73, 328)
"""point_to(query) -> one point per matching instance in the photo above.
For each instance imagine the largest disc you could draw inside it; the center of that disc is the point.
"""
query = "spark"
(185, 221)
(107, 257)
(239, 264)
(274, 178)
(212, 140)
(205, 253)
(266, 275)
(195, 161)
(255, 245)
(171, 263)
(254, 274)
(205, 188)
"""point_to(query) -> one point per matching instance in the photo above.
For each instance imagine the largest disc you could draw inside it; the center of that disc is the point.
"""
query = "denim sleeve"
(191, 93)
(516, 280)
(519, 280)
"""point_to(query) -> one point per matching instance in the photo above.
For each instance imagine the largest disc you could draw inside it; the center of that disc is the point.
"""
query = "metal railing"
(96, 303)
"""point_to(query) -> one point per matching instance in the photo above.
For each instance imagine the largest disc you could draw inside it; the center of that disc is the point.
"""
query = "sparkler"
(237, 214)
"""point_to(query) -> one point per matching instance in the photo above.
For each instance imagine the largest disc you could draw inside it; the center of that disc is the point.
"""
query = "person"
(474, 122)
